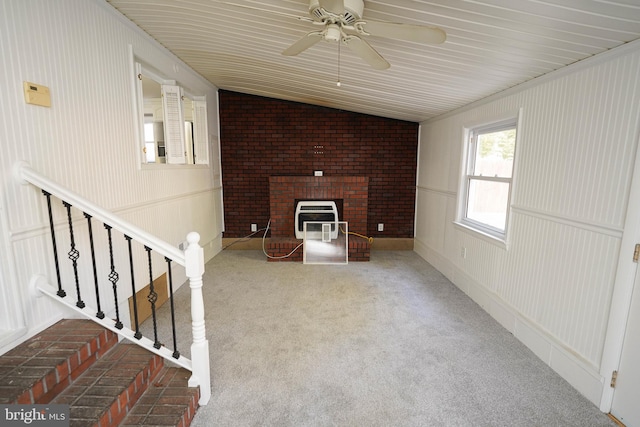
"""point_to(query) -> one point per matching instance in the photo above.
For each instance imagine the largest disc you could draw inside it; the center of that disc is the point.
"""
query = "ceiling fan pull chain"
(338, 83)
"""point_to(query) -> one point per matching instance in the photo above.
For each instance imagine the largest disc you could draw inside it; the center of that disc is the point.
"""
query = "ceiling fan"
(343, 23)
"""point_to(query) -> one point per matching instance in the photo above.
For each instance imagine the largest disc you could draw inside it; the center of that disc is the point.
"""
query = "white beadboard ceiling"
(491, 45)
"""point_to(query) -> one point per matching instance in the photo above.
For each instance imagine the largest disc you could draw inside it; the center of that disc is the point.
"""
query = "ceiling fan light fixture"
(333, 33)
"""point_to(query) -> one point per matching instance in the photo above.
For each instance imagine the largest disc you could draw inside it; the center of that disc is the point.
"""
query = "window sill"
(489, 238)
(165, 166)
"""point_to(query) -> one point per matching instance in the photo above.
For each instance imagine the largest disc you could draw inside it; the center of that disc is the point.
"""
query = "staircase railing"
(192, 259)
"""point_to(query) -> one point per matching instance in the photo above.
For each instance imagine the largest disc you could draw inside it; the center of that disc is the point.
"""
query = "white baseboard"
(578, 372)
(212, 248)
(9, 338)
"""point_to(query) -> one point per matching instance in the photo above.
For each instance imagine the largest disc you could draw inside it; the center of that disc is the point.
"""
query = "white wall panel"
(430, 230)
(86, 141)
(578, 144)
(577, 147)
(433, 148)
(561, 277)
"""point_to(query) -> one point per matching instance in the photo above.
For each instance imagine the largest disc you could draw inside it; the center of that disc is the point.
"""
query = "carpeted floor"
(389, 342)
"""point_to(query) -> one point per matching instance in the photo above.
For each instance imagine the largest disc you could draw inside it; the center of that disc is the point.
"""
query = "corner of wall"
(212, 248)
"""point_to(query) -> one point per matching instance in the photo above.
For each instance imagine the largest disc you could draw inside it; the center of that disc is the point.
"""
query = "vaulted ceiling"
(491, 45)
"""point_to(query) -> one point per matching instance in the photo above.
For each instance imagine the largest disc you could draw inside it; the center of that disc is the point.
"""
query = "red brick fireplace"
(351, 192)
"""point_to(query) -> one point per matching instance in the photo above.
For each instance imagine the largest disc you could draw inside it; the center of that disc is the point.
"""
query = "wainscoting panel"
(561, 277)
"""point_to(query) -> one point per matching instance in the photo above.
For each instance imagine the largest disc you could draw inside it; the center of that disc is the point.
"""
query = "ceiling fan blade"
(366, 52)
(333, 6)
(408, 32)
(303, 44)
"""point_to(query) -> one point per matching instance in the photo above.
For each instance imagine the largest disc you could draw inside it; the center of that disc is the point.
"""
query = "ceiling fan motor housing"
(352, 11)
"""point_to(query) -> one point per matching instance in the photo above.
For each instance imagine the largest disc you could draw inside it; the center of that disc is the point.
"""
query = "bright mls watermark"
(34, 415)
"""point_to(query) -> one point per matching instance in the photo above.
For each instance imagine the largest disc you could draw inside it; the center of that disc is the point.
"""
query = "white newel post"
(194, 267)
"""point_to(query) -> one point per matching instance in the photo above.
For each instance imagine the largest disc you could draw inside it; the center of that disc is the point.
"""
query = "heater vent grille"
(324, 216)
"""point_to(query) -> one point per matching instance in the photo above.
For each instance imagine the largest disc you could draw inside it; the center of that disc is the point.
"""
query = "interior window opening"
(173, 121)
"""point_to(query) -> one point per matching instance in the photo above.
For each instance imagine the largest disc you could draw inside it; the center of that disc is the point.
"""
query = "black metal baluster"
(113, 278)
(152, 298)
(100, 313)
(137, 335)
(61, 293)
(74, 255)
(176, 353)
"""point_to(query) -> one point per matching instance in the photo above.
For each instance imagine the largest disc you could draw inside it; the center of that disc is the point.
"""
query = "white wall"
(86, 141)
(552, 287)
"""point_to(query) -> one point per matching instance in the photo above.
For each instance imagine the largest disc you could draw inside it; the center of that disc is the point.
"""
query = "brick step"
(41, 367)
(103, 382)
(168, 401)
(106, 391)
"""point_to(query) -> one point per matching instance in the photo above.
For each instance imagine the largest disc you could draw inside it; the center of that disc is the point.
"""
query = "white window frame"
(484, 230)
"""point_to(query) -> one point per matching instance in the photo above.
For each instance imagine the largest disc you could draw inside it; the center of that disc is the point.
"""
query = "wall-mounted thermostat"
(36, 94)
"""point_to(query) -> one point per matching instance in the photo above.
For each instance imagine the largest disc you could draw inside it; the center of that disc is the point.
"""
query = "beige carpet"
(389, 342)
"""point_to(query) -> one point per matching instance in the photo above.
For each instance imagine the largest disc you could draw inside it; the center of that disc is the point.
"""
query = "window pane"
(148, 132)
(487, 202)
(150, 151)
(494, 153)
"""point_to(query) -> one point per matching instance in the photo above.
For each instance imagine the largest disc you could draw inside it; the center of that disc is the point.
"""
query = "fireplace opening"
(322, 218)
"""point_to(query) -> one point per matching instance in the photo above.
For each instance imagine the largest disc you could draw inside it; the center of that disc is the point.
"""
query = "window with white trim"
(488, 178)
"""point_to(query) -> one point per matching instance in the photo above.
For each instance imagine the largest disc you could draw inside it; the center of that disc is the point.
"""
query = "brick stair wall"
(106, 383)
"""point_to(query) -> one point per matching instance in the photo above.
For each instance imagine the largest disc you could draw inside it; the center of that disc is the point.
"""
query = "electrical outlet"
(463, 252)
(381, 227)
(254, 227)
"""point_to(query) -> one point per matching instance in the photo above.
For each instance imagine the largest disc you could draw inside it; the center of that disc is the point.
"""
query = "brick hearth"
(351, 191)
